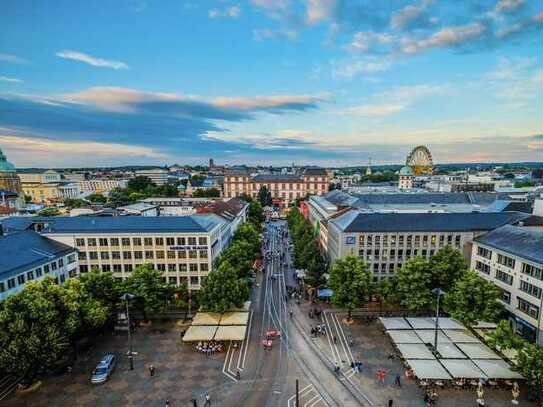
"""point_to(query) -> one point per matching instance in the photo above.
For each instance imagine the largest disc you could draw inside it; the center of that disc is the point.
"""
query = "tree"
(255, 214)
(246, 198)
(206, 193)
(247, 232)
(222, 289)
(102, 287)
(51, 211)
(504, 337)
(240, 254)
(148, 285)
(97, 198)
(28, 199)
(119, 197)
(92, 311)
(472, 299)
(530, 365)
(139, 183)
(350, 280)
(414, 286)
(264, 196)
(36, 326)
(446, 266)
(71, 203)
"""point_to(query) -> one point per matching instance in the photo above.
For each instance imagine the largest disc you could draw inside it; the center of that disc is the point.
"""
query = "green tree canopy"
(139, 183)
(206, 193)
(446, 266)
(530, 365)
(472, 299)
(255, 214)
(414, 286)
(36, 326)
(350, 280)
(51, 211)
(222, 289)
(504, 337)
(97, 198)
(149, 286)
(71, 203)
(264, 196)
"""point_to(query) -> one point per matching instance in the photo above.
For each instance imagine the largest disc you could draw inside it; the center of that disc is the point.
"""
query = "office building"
(26, 256)
(512, 259)
(183, 247)
(159, 176)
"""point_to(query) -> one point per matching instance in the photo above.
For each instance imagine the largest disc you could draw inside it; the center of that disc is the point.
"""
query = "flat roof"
(132, 224)
(25, 250)
(519, 241)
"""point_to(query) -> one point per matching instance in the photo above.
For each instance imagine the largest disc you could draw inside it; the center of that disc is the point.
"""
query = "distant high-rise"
(211, 163)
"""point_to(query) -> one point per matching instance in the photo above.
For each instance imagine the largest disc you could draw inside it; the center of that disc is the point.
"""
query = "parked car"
(104, 369)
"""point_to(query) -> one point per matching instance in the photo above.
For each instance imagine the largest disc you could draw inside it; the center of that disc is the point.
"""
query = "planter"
(30, 389)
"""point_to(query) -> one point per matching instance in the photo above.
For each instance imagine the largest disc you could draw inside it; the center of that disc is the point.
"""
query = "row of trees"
(41, 324)
(228, 286)
(468, 297)
(307, 254)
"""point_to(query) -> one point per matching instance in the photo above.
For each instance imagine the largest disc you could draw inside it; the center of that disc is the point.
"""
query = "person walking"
(207, 400)
(390, 402)
(335, 340)
(397, 380)
(238, 374)
(167, 403)
(151, 370)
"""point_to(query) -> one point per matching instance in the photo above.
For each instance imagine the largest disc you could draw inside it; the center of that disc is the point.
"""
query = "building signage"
(188, 247)
(350, 240)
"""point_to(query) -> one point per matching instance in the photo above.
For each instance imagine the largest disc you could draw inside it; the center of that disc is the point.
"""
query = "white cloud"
(401, 18)
(348, 69)
(365, 41)
(508, 6)
(268, 33)
(88, 59)
(230, 12)
(446, 37)
(395, 100)
(319, 10)
(278, 9)
(14, 59)
(8, 79)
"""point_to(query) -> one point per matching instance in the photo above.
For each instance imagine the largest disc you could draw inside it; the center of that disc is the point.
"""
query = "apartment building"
(158, 175)
(512, 258)
(385, 241)
(102, 185)
(27, 256)
(284, 188)
(183, 247)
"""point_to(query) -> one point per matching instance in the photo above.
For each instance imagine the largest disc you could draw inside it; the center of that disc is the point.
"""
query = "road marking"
(246, 343)
(226, 365)
(308, 397)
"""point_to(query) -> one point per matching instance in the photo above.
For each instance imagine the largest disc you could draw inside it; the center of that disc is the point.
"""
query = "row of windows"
(373, 254)
(532, 271)
(504, 277)
(485, 268)
(506, 261)
(484, 252)
(531, 289)
(127, 268)
(21, 279)
(148, 254)
(528, 308)
(392, 240)
(137, 241)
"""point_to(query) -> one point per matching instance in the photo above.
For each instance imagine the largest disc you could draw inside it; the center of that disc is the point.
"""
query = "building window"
(54, 265)
(484, 252)
(160, 254)
(83, 256)
(506, 261)
(106, 268)
(161, 267)
(204, 267)
(79, 242)
(203, 254)
(136, 241)
(125, 241)
(46, 269)
(21, 279)
(116, 255)
(128, 268)
(485, 268)
(172, 267)
(181, 241)
(11, 283)
(30, 276)
(159, 241)
(182, 267)
(457, 239)
(38, 272)
(91, 242)
(506, 296)
(83, 268)
(127, 255)
(60, 262)
(71, 258)
(114, 241)
(193, 267)
(202, 241)
(93, 255)
(172, 280)
(104, 255)
(62, 278)
(138, 255)
(194, 280)
(532, 271)
(102, 241)
(117, 268)
(528, 308)
(425, 240)
(530, 289)
(170, 241)
(504, 277)
(2, 287)
(148, 241)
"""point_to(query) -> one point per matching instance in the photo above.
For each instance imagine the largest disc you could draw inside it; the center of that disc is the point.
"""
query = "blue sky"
(329, 82)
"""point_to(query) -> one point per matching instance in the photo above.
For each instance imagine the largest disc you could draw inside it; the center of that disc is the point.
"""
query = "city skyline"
(270, 82)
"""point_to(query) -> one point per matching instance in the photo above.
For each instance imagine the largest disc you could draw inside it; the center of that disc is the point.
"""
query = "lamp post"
(439, 292)
(127, 297)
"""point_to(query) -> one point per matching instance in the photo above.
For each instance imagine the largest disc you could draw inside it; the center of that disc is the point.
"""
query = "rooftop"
(27, 249)
(315, 171)
(519, 241)
(276, 177)
(354, 221)
(133, 224)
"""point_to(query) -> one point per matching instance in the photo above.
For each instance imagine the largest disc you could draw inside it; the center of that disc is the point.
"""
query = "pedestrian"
(335, 340)
(426, 398)
(290, 312)
(207, 400)
(238, 375)
(151, 370)
(397, 380)
(390, 402)
(194, 403)
(167, 403)
(336, 368)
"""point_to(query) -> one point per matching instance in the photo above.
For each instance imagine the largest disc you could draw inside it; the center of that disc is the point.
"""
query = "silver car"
(104, 369)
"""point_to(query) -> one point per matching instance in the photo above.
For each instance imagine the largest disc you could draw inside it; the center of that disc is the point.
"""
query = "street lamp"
(127, 297)
(439, 292)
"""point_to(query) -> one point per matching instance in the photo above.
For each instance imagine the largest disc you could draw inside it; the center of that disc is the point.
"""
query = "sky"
(310, 82)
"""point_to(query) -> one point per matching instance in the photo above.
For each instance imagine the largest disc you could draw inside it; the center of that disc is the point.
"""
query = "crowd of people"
(209, 348)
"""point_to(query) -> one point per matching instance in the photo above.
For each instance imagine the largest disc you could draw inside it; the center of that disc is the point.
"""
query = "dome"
(406, 171)
(5, 165)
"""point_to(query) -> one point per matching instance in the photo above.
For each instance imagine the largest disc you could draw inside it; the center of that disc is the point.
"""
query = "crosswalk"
(235, 359)
(341, 350)
(309, 397)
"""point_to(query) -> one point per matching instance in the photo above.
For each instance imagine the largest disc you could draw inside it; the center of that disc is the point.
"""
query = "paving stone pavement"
(181, 374)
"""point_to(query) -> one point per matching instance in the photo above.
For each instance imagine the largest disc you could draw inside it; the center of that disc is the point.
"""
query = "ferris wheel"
(420, 160)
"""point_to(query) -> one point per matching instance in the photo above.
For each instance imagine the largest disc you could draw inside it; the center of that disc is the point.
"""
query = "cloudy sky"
(330, 82)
